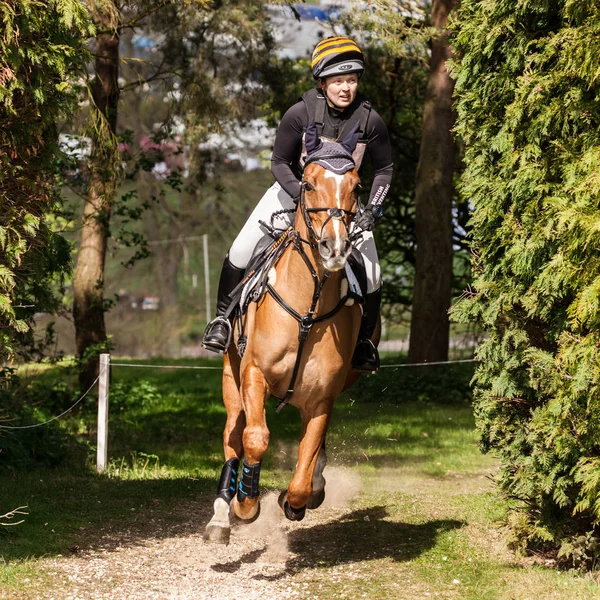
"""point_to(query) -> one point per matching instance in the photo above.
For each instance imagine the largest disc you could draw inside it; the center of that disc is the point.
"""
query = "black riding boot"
(217, 335)
(366, 357)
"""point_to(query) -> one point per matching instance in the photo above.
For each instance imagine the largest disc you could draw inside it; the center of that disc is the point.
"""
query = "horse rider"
(337, 107)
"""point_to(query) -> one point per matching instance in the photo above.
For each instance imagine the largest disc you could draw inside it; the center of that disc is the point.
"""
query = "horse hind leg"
(318, 481)
(300, 491)
(318, 491)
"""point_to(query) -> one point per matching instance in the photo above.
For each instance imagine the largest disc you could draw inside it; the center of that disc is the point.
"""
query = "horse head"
(328, 199)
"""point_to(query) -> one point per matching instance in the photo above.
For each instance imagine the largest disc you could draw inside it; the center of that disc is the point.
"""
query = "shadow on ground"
(97, 513)
(366, 534)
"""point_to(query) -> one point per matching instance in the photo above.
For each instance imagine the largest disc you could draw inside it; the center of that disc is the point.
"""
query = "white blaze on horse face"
(336, 223)
(338, 184)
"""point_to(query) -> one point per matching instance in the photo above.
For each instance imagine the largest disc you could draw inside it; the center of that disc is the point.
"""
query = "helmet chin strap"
(330, 101)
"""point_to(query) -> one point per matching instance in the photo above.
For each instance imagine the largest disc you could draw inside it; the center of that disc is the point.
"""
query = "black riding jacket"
(286, 160)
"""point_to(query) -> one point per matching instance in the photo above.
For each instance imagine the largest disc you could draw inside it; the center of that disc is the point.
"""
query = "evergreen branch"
(511, 400)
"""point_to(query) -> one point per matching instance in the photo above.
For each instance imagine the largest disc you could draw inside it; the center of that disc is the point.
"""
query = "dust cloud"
(269, 526)
(343, 485)
(341, 488)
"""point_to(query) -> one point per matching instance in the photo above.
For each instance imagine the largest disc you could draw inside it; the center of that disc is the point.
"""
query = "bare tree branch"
(12, 514)
(136, 20)
(159, 74)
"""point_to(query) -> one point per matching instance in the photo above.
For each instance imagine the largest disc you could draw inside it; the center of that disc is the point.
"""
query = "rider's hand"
(365, 218)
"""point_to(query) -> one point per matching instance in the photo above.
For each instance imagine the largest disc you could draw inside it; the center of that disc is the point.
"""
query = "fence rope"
(61, 414)
(113, 364)
(399, 365)
(396, 366)
(429, 364)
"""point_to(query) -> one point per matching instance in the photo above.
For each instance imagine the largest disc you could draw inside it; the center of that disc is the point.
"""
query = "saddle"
(266, 254)
(264, 258)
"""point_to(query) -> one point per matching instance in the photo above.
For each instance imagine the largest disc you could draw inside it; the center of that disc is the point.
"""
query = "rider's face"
(341, 89)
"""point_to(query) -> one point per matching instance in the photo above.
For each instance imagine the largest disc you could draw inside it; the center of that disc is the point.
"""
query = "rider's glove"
(365, 218)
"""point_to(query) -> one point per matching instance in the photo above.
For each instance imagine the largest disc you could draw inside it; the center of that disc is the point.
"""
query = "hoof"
(316, 500)
(246, 517)
(217, 534)
(291, 513)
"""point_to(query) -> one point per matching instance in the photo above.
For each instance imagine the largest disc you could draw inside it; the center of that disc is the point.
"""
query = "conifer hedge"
(42, 49)
(528, 99)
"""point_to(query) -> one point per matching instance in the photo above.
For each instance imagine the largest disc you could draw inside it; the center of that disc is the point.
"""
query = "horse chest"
(323, 362)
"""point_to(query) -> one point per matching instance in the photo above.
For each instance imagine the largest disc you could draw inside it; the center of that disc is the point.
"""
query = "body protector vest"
(316, 105)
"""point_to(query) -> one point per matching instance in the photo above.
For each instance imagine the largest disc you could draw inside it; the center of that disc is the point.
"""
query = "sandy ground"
(166, 557)
(174, 562)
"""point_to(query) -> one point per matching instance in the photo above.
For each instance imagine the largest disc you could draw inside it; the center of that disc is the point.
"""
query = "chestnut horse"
(307, 292)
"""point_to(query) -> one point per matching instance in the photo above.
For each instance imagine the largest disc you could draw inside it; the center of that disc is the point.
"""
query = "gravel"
(172, 561)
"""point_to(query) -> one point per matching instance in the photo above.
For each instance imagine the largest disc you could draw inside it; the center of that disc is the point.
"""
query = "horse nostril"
(325, 248)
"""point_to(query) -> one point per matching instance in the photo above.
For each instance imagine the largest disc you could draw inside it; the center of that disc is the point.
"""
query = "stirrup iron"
(224, 321)
(375, 353)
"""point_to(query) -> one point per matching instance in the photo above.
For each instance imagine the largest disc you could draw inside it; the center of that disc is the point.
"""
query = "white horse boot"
(219, 527)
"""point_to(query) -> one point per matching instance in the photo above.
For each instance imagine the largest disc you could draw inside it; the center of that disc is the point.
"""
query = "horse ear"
(312, 139)
(349, 142)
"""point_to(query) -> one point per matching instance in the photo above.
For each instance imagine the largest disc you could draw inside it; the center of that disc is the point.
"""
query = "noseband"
(332, 213)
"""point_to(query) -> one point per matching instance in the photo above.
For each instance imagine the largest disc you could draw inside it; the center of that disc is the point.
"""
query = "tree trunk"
(429, 331)
(88, 283)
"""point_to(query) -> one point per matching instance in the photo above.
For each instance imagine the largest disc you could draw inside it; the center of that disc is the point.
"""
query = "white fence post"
(102, 450)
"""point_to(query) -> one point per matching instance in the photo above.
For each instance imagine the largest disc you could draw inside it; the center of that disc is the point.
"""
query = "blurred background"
(202, 87)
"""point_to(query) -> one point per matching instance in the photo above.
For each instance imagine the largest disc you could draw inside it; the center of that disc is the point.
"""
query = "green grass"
(426, 522)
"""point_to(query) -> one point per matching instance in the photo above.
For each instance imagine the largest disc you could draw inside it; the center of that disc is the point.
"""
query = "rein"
(306, 321)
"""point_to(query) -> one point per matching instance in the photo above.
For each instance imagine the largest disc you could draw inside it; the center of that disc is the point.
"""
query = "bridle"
(332, 212)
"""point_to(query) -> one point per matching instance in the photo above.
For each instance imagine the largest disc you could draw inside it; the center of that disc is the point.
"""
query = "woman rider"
(336, 108)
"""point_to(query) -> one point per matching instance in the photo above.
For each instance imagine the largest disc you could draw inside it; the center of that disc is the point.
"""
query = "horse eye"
(308, 187)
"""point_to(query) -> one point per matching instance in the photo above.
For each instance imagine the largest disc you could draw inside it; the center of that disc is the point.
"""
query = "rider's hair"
(336, 56)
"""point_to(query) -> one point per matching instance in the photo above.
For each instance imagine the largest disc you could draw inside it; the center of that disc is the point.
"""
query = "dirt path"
(335, 552)
(172, 561)
(180, 565)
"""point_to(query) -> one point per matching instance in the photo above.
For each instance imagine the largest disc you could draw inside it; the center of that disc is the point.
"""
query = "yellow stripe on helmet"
(337, 50)
(326, 43)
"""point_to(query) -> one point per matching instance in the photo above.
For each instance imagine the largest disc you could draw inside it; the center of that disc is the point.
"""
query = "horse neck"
(296, 279)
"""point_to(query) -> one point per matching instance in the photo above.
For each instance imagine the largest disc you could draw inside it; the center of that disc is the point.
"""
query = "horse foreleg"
(219, 527)
(311, 462)
(256, 441)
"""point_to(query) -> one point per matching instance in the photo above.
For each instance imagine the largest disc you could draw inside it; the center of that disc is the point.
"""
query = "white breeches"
(276, 199)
